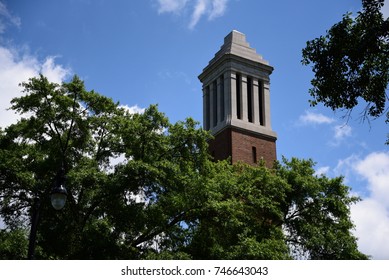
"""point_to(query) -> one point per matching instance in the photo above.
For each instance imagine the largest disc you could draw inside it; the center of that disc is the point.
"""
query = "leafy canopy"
(351, 64)
(140, 187)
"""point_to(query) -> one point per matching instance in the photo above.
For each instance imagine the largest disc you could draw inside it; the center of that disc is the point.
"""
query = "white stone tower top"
(236, 87)
(235, 43)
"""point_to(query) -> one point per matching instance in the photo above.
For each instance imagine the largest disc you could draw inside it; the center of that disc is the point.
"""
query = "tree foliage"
(13, 244)
(140, 187)
(350, 62)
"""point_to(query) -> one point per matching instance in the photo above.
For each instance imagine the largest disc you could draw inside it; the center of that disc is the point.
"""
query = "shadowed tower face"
(236, 103)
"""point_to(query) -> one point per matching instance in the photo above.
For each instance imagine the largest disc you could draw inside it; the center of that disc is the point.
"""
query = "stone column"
(206, 107)
(220, 99)
(212, 105)
(243, 96)
(227, 96)
(255, 100)
(230, 90)
(266, 104)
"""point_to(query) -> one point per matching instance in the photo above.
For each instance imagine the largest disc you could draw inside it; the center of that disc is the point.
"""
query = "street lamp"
(59, 193)
(58, 199)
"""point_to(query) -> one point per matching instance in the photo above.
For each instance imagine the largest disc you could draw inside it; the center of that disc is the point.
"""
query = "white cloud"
(212, 8)
(345, 167)
(198, 8)
(171, 6)
(133, 109)
(322, 170)
(7, 18)
(218, 9)
(341, 132)
(16, 67)
(371, 215)
(372, 228)
(54, 72)
(375, 169)
(199, 11)
(315, 118)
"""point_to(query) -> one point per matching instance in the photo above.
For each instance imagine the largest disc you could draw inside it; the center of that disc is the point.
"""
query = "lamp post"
(58, 197)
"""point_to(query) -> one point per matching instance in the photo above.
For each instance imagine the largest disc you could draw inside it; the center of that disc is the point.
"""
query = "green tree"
(351, 64)
(130, 177)
(316, 216)
(140, 187)
(60, 124)
(242, 216)
(287, 212)
(13, 244)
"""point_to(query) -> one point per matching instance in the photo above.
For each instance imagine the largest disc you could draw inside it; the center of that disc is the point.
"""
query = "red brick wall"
(238, 144)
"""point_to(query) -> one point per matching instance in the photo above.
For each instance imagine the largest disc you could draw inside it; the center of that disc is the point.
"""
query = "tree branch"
(152, 233)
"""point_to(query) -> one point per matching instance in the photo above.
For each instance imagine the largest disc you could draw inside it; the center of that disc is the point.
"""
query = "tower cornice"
(229, 61)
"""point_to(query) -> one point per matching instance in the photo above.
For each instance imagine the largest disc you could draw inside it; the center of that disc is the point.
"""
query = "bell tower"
(236, 103)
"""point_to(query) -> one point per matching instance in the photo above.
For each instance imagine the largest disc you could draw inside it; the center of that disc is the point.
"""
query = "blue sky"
(151, 52)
